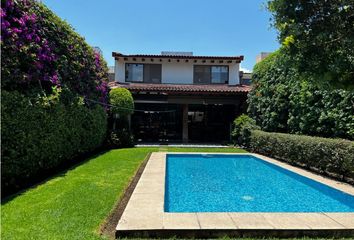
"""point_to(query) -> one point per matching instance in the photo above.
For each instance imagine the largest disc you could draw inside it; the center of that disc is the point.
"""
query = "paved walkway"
(183, 145)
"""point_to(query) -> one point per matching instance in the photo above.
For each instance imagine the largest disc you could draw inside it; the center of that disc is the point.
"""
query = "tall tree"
(319, 37)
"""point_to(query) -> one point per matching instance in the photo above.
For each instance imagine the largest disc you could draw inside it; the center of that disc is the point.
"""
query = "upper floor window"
(204, 74)
(147, 73)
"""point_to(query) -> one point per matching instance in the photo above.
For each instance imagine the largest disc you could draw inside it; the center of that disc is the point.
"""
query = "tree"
(319, 37)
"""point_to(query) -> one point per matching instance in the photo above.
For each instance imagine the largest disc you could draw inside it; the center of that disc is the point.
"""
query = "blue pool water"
(243, 183)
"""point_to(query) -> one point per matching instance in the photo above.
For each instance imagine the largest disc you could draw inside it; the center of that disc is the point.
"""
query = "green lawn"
(74, 203)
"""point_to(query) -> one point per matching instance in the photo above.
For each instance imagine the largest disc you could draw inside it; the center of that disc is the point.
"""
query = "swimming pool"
(244, 183)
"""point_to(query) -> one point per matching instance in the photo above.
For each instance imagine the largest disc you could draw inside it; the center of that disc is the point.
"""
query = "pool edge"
(145, 214)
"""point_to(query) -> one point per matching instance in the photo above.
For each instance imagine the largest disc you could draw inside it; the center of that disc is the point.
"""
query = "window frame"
(144, 80)
(210, 74)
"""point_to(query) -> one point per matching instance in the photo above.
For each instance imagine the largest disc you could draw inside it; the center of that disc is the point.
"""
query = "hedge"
(37, 137)
(324, 155)
(283, 100)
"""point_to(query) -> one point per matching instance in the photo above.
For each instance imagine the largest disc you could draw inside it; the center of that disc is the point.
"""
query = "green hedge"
(283, 100)
(324, 155)
(38, 136)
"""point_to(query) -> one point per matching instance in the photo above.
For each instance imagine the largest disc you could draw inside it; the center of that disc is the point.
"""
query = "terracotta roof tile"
(183, 88)
(237, 58)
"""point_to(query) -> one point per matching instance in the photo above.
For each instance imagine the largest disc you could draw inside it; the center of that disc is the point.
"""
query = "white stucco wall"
(176, 72)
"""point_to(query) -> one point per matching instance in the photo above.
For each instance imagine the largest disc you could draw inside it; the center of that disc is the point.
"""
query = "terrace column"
(185, 123)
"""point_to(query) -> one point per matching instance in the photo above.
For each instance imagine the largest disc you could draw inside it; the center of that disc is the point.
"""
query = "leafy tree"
(269, 98)
(319, 37)
(282, 101)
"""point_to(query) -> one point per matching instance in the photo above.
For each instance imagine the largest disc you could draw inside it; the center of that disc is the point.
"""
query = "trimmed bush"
(242, 129)
(324, 155)
(122, 100)
(41, 135)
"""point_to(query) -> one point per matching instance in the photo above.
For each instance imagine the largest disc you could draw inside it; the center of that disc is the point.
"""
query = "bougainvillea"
(39, 51)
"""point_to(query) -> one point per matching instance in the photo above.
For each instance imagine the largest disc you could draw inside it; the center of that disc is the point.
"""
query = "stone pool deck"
(144, 214)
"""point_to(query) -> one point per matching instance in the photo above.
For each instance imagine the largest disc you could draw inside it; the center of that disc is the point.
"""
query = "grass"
(74, 203)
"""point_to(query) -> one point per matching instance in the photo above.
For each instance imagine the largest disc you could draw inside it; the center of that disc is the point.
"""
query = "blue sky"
(222, 27)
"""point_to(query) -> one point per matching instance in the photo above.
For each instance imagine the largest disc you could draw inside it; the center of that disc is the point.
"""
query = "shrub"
(122, 100)
(242, 129)
(39, 50)
(120, 138)
(40, 135)
(49, 74)
(324, 155)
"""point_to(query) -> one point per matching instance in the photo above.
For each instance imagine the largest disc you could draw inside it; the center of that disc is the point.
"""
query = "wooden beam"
(212, 61)
(160, 60)
(134, 59)
(187, 60)
(177, 60)
(143, 59)
(195, 60)
(152, 59)
(126, 59)
(221, 61)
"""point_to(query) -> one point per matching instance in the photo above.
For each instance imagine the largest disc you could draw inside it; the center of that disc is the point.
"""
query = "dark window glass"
(219, 74)
(148, 73)
(134, 72)
(201, 74)
(204, 74)
(152, 73)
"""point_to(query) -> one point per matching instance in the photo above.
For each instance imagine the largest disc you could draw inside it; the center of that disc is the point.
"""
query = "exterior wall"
(174, 72)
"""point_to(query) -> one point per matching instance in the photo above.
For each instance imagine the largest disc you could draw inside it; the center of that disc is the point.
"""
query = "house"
(245, 78)
(180, 97)
(262, 56)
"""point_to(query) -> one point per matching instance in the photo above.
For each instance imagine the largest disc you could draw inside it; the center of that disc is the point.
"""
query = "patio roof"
(183, 88)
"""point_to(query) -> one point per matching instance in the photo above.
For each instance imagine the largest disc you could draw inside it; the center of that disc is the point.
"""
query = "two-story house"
(180, 97)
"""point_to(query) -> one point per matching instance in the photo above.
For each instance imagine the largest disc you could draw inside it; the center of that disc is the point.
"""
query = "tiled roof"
(237, 58)
(183, 88)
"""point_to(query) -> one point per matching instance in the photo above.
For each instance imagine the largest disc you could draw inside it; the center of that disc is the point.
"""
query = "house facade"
(180, 97)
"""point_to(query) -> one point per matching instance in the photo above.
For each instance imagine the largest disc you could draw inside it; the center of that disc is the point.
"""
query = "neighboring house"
(181, 97)
(111, 74)
(262, 56)
(245, 78)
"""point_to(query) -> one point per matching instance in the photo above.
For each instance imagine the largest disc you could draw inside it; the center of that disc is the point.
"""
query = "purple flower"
(29, 36)
(55, 79)
(37, 39)
(16, 30)
(2, 13)
(9, 4)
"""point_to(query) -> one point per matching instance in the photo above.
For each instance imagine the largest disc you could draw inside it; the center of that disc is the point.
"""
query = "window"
(134, 72)
(219, 74)
(147, 73)
(201, 74)
(204, 74)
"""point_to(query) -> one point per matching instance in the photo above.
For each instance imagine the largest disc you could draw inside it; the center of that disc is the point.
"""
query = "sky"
(215, 27)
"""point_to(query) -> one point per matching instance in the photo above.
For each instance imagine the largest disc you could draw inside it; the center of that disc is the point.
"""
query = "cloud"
(245, 70)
